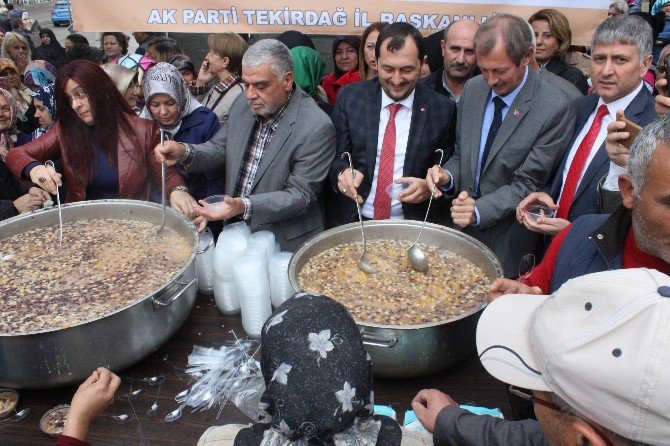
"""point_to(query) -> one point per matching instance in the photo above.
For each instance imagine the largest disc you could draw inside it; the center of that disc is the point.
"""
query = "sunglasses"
(555, 407)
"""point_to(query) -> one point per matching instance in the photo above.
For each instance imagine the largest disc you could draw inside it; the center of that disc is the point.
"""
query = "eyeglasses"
(548, 404)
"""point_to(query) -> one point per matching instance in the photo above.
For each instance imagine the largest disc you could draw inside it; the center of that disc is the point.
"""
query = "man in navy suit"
(391, 127)
(621, 56)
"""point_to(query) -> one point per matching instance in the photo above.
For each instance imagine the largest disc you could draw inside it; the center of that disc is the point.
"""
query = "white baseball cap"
(601, 343)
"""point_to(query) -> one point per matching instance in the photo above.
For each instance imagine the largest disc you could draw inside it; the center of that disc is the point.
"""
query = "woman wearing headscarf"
(50, 49)
(107, 151)
(126, 82)
(39, 73)
(171, 106)
(10, 80)
(345, 57)
(15, 198)
(308, 66)
(319, 387)
(44, 100)
(294, 38)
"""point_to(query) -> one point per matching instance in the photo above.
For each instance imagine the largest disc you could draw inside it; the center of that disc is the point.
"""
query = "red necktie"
(382, 202)
(578, 164)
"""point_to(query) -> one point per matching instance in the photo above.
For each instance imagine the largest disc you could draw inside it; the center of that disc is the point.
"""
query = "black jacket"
(570, 74)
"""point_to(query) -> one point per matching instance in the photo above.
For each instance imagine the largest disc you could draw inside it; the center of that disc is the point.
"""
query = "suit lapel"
(372, 110)
(419, 114)
(478, 109)
(517, 111)
(279, 138)
(583, 113)
(236, 146)
(634, 109)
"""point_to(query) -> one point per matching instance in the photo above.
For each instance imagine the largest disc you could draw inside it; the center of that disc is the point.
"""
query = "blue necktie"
(499, 104)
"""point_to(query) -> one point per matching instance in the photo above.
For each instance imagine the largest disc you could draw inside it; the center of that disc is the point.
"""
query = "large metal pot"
(60, 357)
(403, 351)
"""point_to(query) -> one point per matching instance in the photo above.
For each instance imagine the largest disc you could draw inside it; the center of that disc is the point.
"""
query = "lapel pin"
(423, 109)
(517, 113)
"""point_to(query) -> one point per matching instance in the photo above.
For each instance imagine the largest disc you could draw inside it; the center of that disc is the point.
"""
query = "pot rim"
(114, 202)
(495, 262)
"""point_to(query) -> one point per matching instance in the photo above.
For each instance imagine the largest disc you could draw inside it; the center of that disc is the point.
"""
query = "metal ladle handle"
(432, 193)
(50, 163)
(358, 206)
(163, 194)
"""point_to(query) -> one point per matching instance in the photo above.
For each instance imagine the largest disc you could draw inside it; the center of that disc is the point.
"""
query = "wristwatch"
(180, 188)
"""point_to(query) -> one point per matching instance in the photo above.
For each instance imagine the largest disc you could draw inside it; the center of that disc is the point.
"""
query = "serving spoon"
(18, 416)
(159, 232)
(417, 259)
(363, 264)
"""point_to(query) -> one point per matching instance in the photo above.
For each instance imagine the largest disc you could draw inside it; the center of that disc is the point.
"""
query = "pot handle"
(209, 245)
(378, 341)
(170, 300)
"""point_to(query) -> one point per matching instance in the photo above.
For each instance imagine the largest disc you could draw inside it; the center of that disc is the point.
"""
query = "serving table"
(467, 382)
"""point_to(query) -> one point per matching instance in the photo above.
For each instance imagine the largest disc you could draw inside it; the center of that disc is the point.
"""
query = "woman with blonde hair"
(16, 48)
(224, 63)
(554, 37)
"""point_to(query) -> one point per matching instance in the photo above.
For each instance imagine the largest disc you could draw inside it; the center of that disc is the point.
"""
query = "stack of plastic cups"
(229, 249)
(240, 227)
(204, 262)
(253, 290)
(280, 286)
(262, 241)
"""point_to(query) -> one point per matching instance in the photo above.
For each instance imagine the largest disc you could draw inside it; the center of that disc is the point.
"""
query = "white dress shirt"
(612, 107)
(403, 118)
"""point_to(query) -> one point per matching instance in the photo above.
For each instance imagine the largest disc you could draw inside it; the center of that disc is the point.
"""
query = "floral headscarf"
(318, 380)
(47, 96)
(22, 95)
(6, 141)
(165, 78)
(657, 6)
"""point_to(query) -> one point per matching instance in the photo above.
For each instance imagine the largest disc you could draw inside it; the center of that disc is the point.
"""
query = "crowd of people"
(520, 120)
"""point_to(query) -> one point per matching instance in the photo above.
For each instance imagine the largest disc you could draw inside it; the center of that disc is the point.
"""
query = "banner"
(339, 17)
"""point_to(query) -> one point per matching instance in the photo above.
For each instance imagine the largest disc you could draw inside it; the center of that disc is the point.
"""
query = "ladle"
(363, 264)
(159, 232)
(50, 163)
(417, 259)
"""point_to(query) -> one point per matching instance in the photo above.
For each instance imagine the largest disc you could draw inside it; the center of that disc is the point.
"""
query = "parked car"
(60, 15)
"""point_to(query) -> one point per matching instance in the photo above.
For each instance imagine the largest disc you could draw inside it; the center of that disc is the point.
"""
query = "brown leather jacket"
(136, 161)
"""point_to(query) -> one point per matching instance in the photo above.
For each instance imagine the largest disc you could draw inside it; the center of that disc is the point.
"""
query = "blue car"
(60, 15)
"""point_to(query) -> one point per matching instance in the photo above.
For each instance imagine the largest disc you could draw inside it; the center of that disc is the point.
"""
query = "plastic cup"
(535, 211)
(225, 295)
(280, 286)
(204, 262)
(395, 189)
(215, 203)
(253, 291)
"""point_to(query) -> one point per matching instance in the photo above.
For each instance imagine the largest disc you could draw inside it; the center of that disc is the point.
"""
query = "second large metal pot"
(401, 351)
(60, 357)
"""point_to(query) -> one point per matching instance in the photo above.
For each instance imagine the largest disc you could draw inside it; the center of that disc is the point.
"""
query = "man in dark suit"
(512, 128)
(392, 128)
(617, 66)
(460, 63)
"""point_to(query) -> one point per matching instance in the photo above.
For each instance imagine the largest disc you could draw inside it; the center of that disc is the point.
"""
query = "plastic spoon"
(417, 259)
(18, 416)
(363, 264)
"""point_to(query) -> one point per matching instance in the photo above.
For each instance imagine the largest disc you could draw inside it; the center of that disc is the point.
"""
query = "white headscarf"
(166, 79)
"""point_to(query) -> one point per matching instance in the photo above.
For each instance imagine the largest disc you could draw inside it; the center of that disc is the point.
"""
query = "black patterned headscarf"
(318, 380)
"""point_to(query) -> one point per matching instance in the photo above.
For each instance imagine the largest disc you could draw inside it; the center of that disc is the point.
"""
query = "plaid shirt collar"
(229, 82)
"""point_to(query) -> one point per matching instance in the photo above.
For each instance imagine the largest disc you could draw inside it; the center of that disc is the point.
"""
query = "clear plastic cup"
(535, 211)
(215, 203)
(394, 189)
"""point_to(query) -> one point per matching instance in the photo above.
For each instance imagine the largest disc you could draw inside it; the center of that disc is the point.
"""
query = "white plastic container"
(280, 286)
(229, 248)
(204, 262)
(253, 292)
(240, 227)
(225, 295)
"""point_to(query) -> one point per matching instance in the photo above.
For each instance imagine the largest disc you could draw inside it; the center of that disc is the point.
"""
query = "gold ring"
(42, 180)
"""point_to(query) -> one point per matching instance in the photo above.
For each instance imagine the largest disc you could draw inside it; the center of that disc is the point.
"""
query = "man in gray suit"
(276, 148)
(512, 129)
